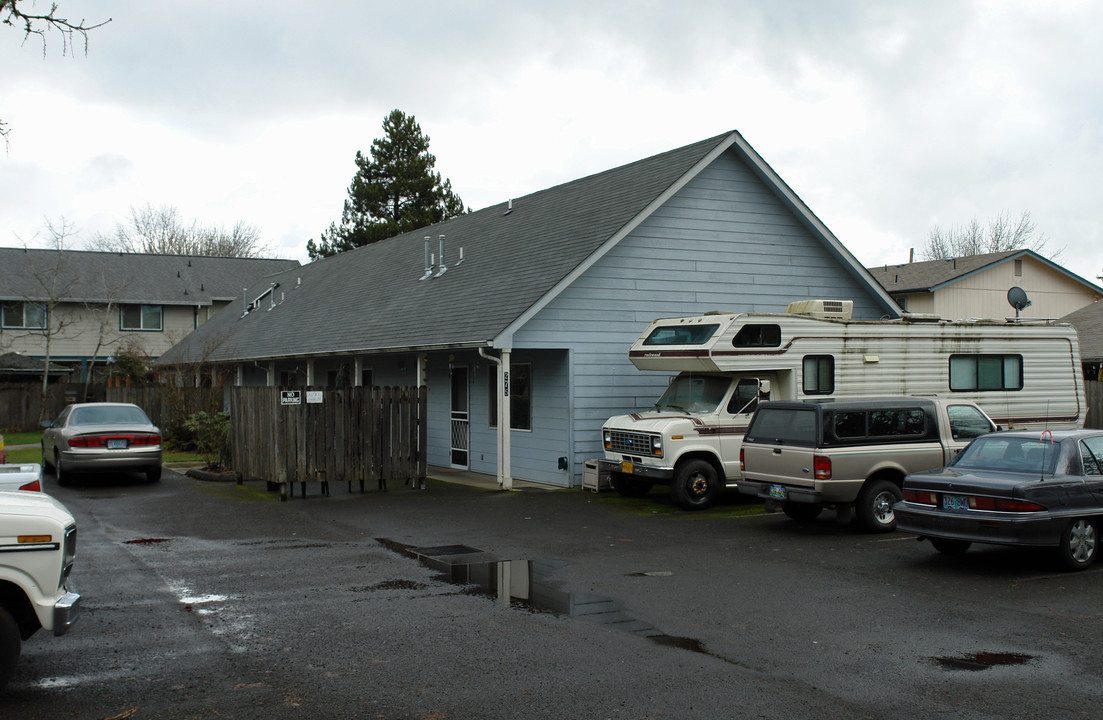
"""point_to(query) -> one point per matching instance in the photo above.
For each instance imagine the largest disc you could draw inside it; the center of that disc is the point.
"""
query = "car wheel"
(59, 473)
(9, 645)
(696, 485)
(153, 474)
(629, 486)
(801, 512)
(950, 547)
(874, 506)
(46, 464)
(1078, 543)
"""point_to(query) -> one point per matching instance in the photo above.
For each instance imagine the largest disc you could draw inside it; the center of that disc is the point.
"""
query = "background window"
(24, 315)
(141, 317)
(819, 375)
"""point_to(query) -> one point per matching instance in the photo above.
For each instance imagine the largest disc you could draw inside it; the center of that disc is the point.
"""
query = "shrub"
(211, 431)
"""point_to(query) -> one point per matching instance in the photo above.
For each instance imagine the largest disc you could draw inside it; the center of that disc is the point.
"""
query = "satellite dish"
(1016, 296)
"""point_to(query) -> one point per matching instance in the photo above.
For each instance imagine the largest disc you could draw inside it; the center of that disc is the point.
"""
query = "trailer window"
(758, 336)
(986, 372)
(819, 375)
(681, 334)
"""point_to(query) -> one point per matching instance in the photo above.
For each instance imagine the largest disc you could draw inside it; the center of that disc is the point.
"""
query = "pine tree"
(394, 191)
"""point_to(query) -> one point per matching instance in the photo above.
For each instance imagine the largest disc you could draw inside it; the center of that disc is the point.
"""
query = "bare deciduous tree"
(52, 289)
(161, 231)
(1001, 234)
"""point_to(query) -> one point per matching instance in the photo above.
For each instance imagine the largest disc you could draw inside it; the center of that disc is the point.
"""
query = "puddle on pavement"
(526, 584)
(982, 660)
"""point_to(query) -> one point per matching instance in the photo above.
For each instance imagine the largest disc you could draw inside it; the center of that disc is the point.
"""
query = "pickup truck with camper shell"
(851, 454)
(1022, 373)
(38, 537)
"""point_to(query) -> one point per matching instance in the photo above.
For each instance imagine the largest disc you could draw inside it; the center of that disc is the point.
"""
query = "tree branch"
(41, 23)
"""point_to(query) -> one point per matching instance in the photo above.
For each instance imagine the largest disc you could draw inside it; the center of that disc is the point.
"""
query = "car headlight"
(657, 445)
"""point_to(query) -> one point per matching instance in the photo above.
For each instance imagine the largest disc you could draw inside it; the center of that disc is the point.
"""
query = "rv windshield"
(694, 393)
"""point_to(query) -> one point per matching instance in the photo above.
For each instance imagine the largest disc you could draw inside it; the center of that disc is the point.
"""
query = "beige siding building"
(88, 305)
(977, 286)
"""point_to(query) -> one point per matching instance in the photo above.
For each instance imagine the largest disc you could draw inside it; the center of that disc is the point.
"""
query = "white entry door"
(460, 414)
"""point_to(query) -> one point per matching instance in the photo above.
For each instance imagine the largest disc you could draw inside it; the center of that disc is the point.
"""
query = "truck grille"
(630, 443)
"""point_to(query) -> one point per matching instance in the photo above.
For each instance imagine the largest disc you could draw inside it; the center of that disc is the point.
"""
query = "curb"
(211, 476)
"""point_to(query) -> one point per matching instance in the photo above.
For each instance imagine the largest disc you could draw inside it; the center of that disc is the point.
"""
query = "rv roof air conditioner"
(822, 309)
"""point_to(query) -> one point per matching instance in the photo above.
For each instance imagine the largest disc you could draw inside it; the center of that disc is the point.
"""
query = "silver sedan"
(102, 437)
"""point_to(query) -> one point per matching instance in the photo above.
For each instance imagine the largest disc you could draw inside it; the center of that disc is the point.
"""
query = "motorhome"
(1023, 373)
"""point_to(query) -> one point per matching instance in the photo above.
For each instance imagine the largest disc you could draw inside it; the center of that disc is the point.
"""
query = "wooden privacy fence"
(350, 434)
(168, 405)
(1094, 392)
(20, 403)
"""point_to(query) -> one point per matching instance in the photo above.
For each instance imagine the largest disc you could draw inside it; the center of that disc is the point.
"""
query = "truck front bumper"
(66, 612)
(654, 473)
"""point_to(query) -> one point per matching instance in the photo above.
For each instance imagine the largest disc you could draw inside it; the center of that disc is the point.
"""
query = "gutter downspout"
(505, 479)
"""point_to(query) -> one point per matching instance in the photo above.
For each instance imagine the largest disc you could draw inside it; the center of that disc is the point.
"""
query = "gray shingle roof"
(83, 276)
(1088, 322)
(372, 298)
(929, 274)
(16, 364)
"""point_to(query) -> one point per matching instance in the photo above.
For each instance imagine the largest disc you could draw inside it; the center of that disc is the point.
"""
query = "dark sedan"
(1032, 489)
(102, 437)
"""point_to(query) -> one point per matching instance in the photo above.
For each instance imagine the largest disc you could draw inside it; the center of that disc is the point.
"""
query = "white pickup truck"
(38, 541)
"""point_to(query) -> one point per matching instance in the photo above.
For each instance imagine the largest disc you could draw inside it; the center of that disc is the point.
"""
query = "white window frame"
(23, 305)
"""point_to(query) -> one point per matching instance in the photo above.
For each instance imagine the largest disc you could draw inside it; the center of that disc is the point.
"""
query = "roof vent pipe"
(460, 261)
(428, 260)
(509, 207)
(443, 268)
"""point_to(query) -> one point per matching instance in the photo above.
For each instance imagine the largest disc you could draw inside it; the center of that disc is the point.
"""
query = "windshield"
(694, 393)
(1009, 454)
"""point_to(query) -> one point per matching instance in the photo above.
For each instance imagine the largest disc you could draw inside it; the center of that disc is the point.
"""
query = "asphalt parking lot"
(205, 600)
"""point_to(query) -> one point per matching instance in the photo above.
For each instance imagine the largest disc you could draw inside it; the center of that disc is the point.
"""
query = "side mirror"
(46, 423)
(763, 387)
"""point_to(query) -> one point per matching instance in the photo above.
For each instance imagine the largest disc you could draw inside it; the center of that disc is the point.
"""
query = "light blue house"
(557, 285)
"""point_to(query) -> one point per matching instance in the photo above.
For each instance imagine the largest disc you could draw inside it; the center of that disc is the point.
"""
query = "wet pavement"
(206, 600)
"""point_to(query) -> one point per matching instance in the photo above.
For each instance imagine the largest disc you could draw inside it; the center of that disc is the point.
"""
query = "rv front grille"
(629, 443)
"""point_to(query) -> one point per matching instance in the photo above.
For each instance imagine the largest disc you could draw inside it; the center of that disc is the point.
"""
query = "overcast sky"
(886, 118)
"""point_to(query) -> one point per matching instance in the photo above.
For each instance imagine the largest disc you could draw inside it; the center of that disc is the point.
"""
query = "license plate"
(955, 502)
(777, 492)
(116, 443)
(626, 468)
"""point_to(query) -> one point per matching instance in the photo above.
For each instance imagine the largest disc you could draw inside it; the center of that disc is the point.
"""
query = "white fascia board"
(504, 339)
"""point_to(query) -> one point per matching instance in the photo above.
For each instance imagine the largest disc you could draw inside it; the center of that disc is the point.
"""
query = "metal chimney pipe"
(428, 260)
(443, 268)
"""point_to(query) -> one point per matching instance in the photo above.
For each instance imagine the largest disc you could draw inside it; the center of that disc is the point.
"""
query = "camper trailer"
(1024, 374)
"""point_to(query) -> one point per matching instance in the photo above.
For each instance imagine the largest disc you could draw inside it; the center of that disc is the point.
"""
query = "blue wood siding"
(723, 242)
